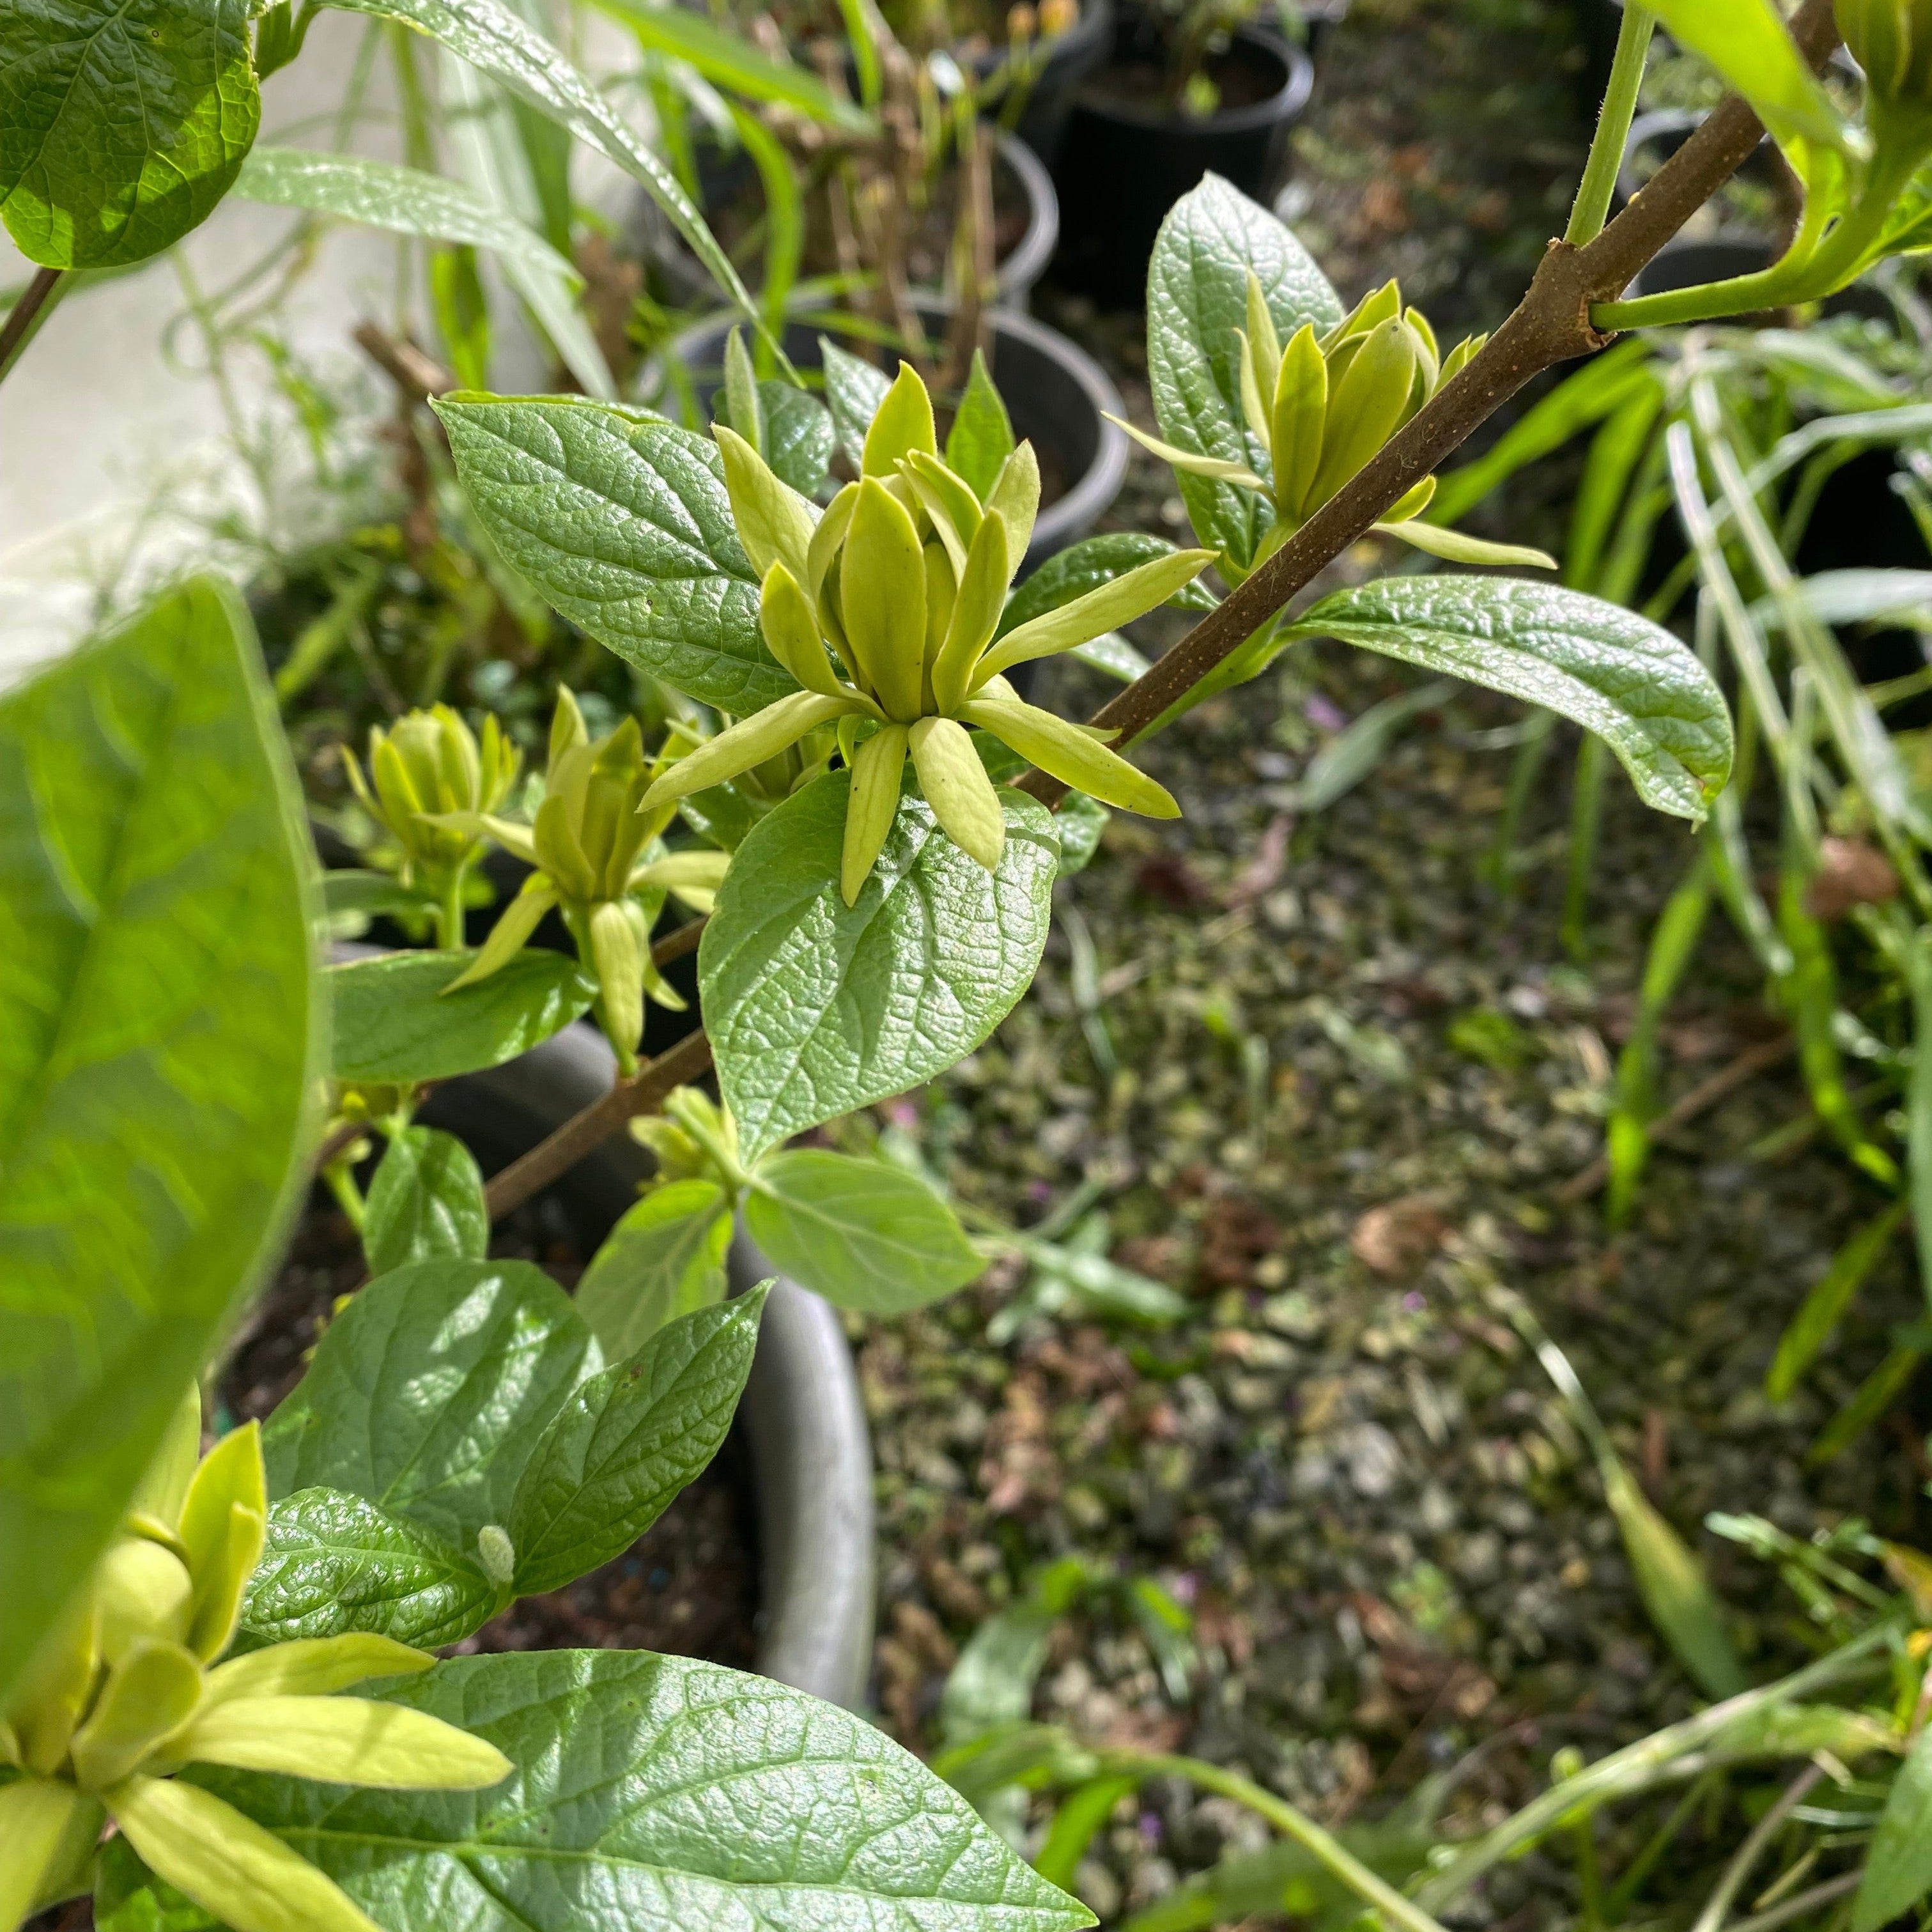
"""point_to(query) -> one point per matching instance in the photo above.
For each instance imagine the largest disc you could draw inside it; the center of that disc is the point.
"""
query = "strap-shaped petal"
(227, 1864)
(568, 730)
(1104, 608)
(1015, 499)
(313, 1666)
(882, 592)
(1071, 756)
(510, 933)
(560, 851)
(343, 1740)
(948, 500)
(958, 789)
(1459, 547)
(1254, 397)
(1300, 412)
(791, 627)
(684, 872)
(872, 806)
(1217, 469)
(1260, 338)
(154, 1690)
(826, 539)
(1365, 406)
(750, 742)
(514, 838)
(774, 523)
(164, 1485)
(976, 613)
(39, 1822)
(619, 948)
(903, 424)
(223, 1524)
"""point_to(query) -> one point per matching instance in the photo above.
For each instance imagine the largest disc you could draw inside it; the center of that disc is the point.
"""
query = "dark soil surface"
(1240, 80)
(688, 1586)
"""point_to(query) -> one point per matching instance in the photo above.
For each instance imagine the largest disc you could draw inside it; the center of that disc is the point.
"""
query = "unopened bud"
(1891, 39)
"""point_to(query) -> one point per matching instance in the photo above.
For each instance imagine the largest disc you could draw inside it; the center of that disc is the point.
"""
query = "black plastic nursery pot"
(1127, 158)
(1071, 61)
(1056, 394)
(1025, 204)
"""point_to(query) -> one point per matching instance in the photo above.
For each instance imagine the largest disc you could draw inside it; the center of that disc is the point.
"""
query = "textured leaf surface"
(621, 521)
(426, 1203)
(854, 391)
(1898, 1870)
(122, 123)
(429, 1392)
(393, 1022)
(814, 1007)
(861, 1233)
(652, 1792)
(407, 200)
(159, 1030)
(1640, 689)
(664, 1259)
(335, 1563)
(799, 436)
(1197, 298)
(625, 1442)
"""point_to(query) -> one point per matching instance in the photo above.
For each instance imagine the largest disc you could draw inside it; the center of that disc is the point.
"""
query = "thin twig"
(20, 316)
(1832, 1889)
(1711, 1919)
(1753, 1061)
(418, 375)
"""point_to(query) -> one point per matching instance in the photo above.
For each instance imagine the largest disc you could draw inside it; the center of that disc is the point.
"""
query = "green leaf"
(496, 42)
(372, 895)
(1087, 566)
(159, 1037)
(861, 1233)
(1748, 43)
(426, 1203)
(394, 1024)
(405, 200)
(799, 436)
(429, 1392)
(664, 1259)
(732, 61)
(1898, 1868)
(621, 521)
(854, 391)
(334, 1563)
(1617, 674)
(625, 1442)
(654, 1792)
(981, 438)
(1830, 1295)
(122, 123)
(1197, 298)
(814, 1007)
(1082, 822)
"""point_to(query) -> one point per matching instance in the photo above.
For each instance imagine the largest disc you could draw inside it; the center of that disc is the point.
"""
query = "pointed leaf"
(426, 1203)
(854, 390)
(1637, 687)
(1459, 547)
(621, 521)
(160, 1036)
(665, 1258)
(814, 1007)
(1898, 1868)
(395, 1022)
(981, 438)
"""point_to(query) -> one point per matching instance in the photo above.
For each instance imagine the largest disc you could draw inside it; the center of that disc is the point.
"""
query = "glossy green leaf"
(334, 1564)
(799, 437)
(1898, 1868)
(426, 1203)
(498, 43)
(407, 201)
(430, 1390)
(625, 1442)
(863, 1233)
(122, 123)
(814, 1007)
(1640, 689)
(653, 1792)
(1087, 566)
(664, 1259)
(160, 1035)
(395, 1023)
(621, 521)
(1197, 299)
(981, 438)
(854, 391)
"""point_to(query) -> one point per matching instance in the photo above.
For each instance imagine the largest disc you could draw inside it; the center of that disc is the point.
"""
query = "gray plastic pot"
(811, 1456)
(680, 281)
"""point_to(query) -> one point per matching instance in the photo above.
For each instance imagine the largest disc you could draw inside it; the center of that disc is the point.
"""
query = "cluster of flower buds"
(694, 1139)
(1322, 406)
(1891, 39)
(428, 765)
(903, 580)
(130, 1688)
(594, 847)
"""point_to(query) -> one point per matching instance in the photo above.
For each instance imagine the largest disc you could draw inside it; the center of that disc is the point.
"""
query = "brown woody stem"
(1550, 325)
(20, 317)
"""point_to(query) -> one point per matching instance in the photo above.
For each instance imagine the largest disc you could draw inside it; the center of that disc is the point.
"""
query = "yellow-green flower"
(599, 862)
(694, 1139)
(1891, 39)
(129, 1689)
(903, 580)
(1322, 406)
(427, 766)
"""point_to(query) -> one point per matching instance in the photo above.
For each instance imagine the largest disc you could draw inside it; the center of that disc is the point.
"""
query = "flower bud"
(1891, 39)
(427, 765)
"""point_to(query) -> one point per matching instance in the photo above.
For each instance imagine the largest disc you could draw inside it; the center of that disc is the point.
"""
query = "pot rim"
(1285, 105)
